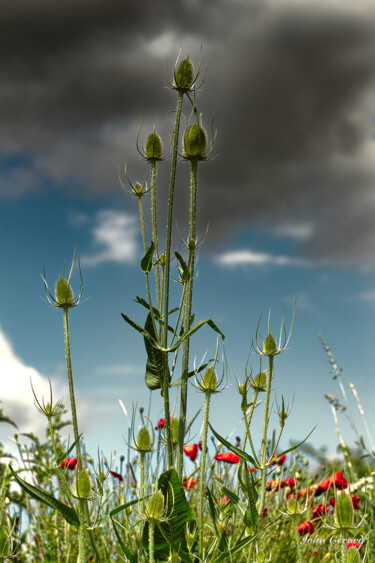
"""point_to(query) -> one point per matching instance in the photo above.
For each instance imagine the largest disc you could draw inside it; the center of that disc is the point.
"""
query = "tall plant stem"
(202, 472)
(83, 508)
(155, 232)
(187, 312)
(264, 437)
(166, 375)
(297, 539)
(151, 548)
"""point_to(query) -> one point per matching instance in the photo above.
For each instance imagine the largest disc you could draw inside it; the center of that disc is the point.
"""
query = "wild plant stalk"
(263, 456)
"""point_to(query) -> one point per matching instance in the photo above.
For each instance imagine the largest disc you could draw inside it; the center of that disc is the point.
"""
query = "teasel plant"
(195, 148)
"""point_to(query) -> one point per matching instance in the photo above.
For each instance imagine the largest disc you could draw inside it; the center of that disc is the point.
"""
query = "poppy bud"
(63, 293)
(344, 511)
(155, 506)
(184, 75)
(143, 441)
(269, 345)
(153, 147)
(195, 142)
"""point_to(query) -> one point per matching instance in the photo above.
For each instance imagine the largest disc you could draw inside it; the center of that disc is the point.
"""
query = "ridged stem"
(176, 133)
(187, 312)
(151, 529)
(264, 436)
(202, 472)
(155, 231)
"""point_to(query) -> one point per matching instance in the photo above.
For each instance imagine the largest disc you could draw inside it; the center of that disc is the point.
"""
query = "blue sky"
(289, 199)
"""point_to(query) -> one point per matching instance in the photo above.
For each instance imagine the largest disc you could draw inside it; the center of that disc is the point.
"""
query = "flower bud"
(155, 506)
(195, 142)
(209, 381)
(269, 345)
(353, 555)
(63, 293)
(259, 382)
(84, 485)
(143, 441)
(153, 147)
(163, 260)
(138, 188)
(344, 511)
(184, 75)
(261, 557)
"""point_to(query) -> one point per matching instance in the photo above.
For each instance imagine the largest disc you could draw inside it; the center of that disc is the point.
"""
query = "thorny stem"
(167, 275)
(155, 231)
(202, 472)
(83, 507)
(187, 312)
(297, 539)
(264, 437)
(151, 529)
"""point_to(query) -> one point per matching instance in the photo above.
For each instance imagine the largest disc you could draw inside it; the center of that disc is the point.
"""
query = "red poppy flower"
(200, 444)
(264, 513)
(340, 481)
(278, 460)
(191, 451)
(275, 485)
(117, 476)
(323, 486)
(290, 482)
(160, 425)
(70, 463)
(228, 457)
(356, 501)
(332, 502)
(353, 544)
(188, 482)
(238, 441)
(319, 511)
(305, 528)
(223, 500)
(253, 469)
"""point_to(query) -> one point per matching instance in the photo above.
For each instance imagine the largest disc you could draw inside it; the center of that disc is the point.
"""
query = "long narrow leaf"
(125, 550)
(243, 455)
(67, 512)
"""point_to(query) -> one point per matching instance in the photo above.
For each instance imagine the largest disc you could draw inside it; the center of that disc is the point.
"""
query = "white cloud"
(119, 369)
(116, 233)
(15, 390)
(247, 257)
(367, 296)
(301, 231)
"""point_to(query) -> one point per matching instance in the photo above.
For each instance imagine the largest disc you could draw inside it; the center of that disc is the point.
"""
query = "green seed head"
(209, 381)
(195, 142)
(184, 75)
(163, 260)
(155, 506)
(63, 293)
(261, 557)
(153, 147)
(259, 382)
(84, 485)
(292, 507)
(344, 511)
(269, 345)
(143, 441)
(138, 188)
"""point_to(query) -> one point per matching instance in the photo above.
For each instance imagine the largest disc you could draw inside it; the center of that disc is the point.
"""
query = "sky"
(288, 196)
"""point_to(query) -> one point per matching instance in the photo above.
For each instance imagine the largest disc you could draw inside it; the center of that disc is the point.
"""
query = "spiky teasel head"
(63, 297)
(154, 507)
(153, 147)
(344, 511)
(209, 382)
(184, 76)
(259, 383)
(49, 409)
(137, 189)
(144, 441)
(195, 141)
(269, 346)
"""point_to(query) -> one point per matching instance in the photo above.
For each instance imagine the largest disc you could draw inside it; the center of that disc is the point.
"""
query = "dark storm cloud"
(293, 86)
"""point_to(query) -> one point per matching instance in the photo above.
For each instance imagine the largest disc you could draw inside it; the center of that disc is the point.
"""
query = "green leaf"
(238, 504)
(67, 512)
(155, 359)
(126, 505)
(251, 517)
(125, 550)
(65, 454)
(101, 522)
(243, 455)
(7, 419)
(297, 445)
(185, 275)
(194, 329)
(139, 329)
(146, 262)
(172, 537)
